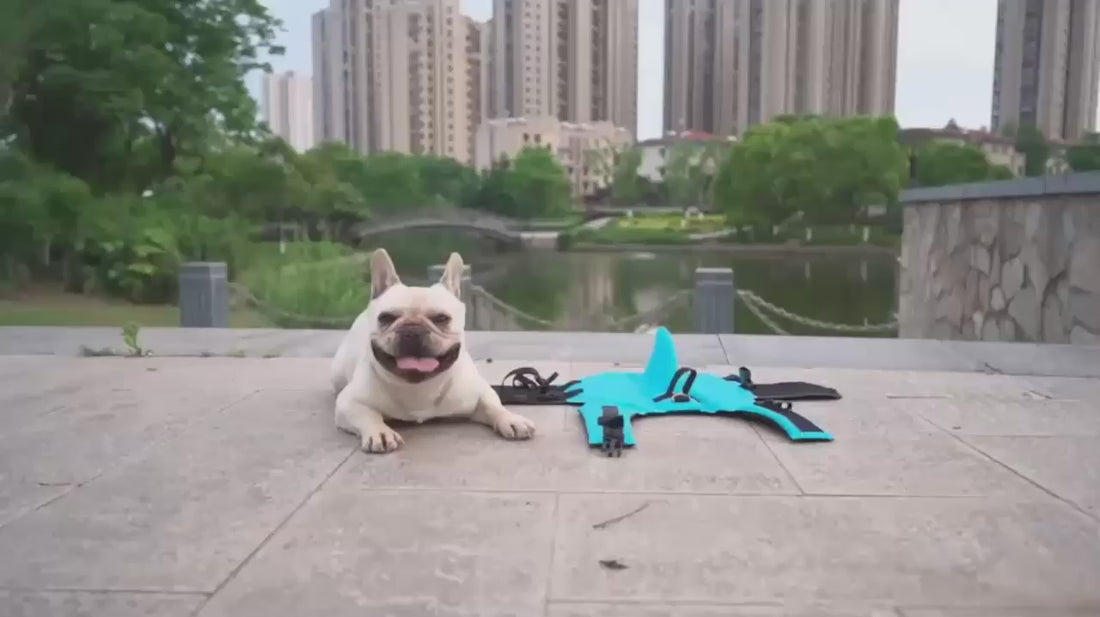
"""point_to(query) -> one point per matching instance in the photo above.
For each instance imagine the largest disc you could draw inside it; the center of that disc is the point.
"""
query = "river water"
(584, 290)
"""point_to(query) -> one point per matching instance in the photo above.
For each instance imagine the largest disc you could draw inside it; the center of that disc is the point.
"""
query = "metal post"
(713, 301)
(435, 273)
(204, 294)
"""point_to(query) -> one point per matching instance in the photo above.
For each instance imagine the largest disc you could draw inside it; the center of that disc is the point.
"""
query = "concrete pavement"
(218, 486)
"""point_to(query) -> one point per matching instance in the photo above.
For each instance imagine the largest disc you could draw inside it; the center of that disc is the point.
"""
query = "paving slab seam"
(800, 605)
(552, 556)
(790, 476)
(1073, 505)
(397, 490)
(121, 463)
(822, 603)
(725, 354)
(248, 558)
(1087, 610)
(136, 592)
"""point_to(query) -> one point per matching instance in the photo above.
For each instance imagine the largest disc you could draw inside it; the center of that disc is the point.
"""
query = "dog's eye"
(441, 319)
(386, 319)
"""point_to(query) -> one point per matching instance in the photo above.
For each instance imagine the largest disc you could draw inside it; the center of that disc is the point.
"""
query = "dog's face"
(416, 332)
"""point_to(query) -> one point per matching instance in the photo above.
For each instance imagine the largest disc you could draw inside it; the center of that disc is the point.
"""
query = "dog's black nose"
(411, 341)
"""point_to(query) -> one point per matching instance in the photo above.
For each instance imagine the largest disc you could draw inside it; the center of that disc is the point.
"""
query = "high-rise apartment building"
(730, 64)
(477, 71)
(575, 60)
(1046, 66)
(287, 107)
(331, 111)
(396, 76)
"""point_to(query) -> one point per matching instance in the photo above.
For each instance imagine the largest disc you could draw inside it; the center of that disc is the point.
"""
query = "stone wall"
(1016, 260)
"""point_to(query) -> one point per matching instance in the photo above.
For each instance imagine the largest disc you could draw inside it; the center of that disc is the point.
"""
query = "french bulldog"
(405, 359)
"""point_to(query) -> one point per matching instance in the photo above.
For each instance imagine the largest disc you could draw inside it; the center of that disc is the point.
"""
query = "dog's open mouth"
(413, 369)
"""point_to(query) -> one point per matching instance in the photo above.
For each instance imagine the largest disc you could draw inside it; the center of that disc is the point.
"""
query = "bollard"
(435, 273)
(204, 294)
(713, 301)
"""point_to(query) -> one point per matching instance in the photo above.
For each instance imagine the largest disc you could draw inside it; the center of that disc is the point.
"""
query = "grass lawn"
(709, 222)
(46, 306)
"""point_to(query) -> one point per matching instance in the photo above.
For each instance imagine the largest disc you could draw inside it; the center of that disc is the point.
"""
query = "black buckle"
(679, 397)
(612, 422)
(776, 405)
(743, 377)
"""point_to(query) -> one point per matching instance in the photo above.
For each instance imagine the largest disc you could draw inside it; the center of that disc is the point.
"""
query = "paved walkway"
(218, 486)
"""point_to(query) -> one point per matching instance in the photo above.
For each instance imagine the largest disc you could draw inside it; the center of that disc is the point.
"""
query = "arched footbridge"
(496, 227)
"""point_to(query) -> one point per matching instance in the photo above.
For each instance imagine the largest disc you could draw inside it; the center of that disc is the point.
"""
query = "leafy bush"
(135, 245)
(313, 285)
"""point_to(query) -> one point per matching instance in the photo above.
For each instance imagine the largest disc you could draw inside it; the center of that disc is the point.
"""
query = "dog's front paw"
(514, 426)
(381, 439)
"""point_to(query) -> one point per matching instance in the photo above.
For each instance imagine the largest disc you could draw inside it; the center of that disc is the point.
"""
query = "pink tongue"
(424, 365)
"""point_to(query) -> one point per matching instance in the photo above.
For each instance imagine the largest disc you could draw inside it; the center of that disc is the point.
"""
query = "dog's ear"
(452, 275)
(383, 274)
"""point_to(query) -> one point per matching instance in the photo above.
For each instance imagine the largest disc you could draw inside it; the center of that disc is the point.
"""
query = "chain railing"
(627, 323)
(763, 317)
(759, 307)
(656, 313)
(508, 309)
(754, 301)
(278, 315)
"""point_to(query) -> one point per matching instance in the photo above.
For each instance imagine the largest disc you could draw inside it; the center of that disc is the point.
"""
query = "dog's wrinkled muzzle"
(412, 350)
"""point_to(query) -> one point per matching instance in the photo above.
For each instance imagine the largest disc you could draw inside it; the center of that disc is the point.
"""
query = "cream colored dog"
(405, 358)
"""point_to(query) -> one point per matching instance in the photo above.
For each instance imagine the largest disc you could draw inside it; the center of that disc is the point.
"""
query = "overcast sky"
(945, 57)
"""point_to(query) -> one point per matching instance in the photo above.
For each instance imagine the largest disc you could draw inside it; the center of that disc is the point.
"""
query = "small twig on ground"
(612, 521)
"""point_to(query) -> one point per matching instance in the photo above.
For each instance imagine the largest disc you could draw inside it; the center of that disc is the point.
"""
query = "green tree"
(13, 17)
(1085, 155)
(866, 166)
(689, 170)
(448, 181)
(391, 182)
(620, 165)
(538, 185)
(330, 195)
(942, 162)
(1031, 143)
(95, 77)
(626, 184)
(829, 169)
(749, 188)
(494, 193)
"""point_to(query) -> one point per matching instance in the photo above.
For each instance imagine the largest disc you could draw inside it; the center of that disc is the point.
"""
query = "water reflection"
(583, 290)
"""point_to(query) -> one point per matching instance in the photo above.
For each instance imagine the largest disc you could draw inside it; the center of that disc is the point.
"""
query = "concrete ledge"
(1068, 184)
(627, 349)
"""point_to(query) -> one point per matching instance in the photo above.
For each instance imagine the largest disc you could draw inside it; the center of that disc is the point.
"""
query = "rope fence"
(755, 302)
(288, 318)
(769, 313)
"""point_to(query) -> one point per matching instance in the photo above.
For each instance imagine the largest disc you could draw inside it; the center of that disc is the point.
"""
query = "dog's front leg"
(359, 419)
(509, 425)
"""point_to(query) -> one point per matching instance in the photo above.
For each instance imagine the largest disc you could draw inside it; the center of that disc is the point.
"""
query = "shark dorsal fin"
(662, 364)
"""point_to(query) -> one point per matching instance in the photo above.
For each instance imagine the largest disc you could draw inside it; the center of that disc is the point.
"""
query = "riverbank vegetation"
(715, 233)
(129, 144)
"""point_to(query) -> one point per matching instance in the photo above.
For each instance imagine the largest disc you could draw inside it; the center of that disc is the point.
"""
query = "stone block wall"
(1016, 260)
